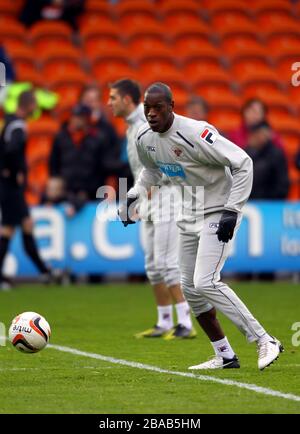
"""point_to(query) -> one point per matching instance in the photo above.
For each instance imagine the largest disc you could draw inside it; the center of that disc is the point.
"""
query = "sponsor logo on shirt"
(171, 169)
(150, 148)
(214, 225)
(209, 136)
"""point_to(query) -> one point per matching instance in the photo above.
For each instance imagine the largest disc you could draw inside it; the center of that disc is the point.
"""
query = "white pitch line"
(252, 387)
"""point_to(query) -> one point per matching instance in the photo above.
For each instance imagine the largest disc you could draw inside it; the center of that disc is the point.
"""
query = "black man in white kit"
(225, 172)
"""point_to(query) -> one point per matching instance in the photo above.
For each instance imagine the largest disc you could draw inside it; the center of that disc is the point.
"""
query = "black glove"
(125, 213)
(226, 226)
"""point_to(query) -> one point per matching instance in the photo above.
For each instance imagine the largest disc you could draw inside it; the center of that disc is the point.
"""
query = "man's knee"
(153, 274)
(203, 283)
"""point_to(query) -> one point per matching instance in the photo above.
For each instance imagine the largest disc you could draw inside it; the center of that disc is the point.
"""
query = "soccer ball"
(29, 332)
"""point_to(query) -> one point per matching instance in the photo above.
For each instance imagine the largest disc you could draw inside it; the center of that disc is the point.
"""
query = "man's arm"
(222, 152)
(218, 151)
(16, 151)
(149, 176)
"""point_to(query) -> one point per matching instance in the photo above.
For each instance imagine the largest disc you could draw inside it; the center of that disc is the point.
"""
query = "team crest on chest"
(177, 152)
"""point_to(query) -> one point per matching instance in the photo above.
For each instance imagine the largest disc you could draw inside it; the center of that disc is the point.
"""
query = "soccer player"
(225, 172)
(12, 186)
(161, 247)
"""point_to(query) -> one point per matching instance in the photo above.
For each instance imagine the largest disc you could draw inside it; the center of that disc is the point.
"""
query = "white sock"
(223, 349)
(265, 338)
(184, 314)
(165, 317)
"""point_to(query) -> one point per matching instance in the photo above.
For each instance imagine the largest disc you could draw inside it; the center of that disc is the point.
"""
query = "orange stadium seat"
(179, 19)
(94, 19)
(136, 20)
(269, 94)
(105, 72)
(218, 95)
(280, 46)
(10, 7)
(40, 137)
(59, 53)
(106, 29)
(145, 28)
(20, 51)
(191, 47)
(97, 7)
(148, 47)
(58, 67)
(213, 6)
(272, 22)
(11, 29)
(160, 70)
(37, 177)
(64, 73)
(27, 72)
(253, 70)
(284, 123)
(105, 47)
(271, 5)
(128, 7)
(57, 30)
(68, 93)
(180, 6)
(44, 44)
(187, 27)
(291, 144)
(294, 97)
(205, 71)
(232, 22)
(225, 120)
(242, 46)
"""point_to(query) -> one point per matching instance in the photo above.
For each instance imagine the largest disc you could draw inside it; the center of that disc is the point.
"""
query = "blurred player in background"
(224, 171)
(161, 237)
(12, 186)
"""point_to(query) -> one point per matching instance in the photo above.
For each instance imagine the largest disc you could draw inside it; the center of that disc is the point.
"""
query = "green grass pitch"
(103, 320)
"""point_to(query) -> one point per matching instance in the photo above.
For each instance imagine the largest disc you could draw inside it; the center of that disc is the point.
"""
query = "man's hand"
(126, 211)
(226, 226)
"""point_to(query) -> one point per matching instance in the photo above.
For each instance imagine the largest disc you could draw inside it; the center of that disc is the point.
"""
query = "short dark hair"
(25, 98)
(128, 87)
(251, 101)
(163, 88)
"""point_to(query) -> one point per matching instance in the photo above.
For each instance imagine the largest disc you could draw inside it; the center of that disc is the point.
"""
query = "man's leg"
(166, 262)
(162, 295)
(6, 233)
(210, 260)
(30, 246)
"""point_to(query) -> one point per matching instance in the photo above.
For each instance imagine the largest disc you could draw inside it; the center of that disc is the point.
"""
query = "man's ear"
(127, 99)
(172, 105)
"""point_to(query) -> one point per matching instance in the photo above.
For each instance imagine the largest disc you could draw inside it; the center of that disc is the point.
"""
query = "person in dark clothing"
(66, 10)
(12, 186)
(81, 157)
(91, 97)
(253, 112)
(270, 170)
